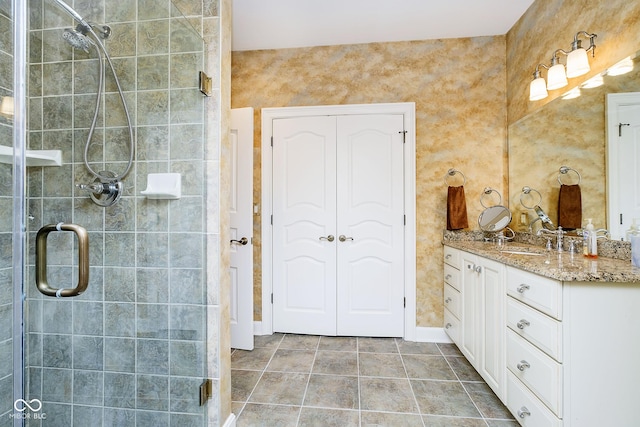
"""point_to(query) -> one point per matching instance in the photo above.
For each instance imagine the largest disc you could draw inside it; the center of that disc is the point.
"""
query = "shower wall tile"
(119, 390)
(152, 285)
(187, 322)
(152, 419)
(123, 39)
(121, 216)
(153, 143)
(35, 47)
(153, 72)
(126, 72)
(59, 414)
(114, 112)
(120, 248)
(186, 358)
(85, 77)
(87, 415)
(183, 37)
(153, 37)
(152, 392)
(57, 385)
(152, 250)
(120, 319)
(120, 354)
(57, 78)
(152, 321)
(57, 112)
(184, 69)
(186, 214)
(88, 387)
(185, 250)
(54, 49)
(6, 322)
(182, 398)
(186, 106)
(35, 80)
(119, 417)
(57, 316)
(119, 284)
(87, 318)
(153, 9)
(152, 356)
(121, 12)
(187, 286)
(88, 353)
(153, 107)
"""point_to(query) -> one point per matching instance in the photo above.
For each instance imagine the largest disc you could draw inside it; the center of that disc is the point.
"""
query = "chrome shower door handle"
(242, 241)
(41, 260)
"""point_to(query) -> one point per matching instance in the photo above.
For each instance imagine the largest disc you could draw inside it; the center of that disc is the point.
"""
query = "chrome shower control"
(104, 190)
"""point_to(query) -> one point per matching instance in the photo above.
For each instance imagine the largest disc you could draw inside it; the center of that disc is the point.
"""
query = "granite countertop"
(556, 265)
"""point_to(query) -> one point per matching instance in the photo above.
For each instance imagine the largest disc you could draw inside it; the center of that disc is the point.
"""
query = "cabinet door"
(493, 300)
(470, 309)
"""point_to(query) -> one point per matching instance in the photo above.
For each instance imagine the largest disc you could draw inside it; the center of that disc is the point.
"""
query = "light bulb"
(556, 77)
(537, 89)
(577, 63)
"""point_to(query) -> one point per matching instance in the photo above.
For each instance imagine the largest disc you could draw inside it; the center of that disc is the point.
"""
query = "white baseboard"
(432, 335)
(230, 422)
(422, 334)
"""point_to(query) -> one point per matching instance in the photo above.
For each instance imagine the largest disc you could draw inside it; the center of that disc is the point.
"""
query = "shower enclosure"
(140, 346)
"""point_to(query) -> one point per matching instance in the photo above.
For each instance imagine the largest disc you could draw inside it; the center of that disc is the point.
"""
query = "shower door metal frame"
(20, 26)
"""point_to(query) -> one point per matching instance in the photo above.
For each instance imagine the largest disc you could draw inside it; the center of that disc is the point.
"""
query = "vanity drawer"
(452, 326)
(539, 292)
(536, 370)
(452, 276)
(528, 410)
(452, 300)
(539, 329)
(452, 257)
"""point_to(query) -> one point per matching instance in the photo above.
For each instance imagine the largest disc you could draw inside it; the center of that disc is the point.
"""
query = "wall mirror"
(567, 131)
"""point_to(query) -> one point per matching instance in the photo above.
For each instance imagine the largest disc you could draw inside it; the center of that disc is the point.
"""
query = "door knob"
(344, 238)
(330, 238)
(242, 241)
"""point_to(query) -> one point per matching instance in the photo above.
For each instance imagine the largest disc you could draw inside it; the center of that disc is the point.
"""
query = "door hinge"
(620, 219)
(404, 136)
(405, 219)
(272, 140)
(206, 391)
(271, 219)
(405, 302)
(271, 297)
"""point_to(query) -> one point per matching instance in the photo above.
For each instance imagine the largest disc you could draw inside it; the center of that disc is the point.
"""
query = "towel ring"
(487, 192)
(527, 191)
(564, 170)
(452, 172)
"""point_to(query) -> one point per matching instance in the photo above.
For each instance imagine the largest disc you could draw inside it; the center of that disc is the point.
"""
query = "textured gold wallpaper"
(459, 89)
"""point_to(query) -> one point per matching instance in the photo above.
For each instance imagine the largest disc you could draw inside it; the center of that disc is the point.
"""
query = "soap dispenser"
(590, 245)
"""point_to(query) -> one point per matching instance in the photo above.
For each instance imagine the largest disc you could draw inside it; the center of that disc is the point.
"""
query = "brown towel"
(570, 207)
(456, 209)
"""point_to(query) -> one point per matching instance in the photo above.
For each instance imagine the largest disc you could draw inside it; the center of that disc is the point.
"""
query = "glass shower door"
(131, 348)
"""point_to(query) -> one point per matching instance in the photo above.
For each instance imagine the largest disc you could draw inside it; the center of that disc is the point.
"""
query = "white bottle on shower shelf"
(590, 245)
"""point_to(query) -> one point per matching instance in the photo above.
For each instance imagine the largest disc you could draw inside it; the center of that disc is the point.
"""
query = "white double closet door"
(338, 225)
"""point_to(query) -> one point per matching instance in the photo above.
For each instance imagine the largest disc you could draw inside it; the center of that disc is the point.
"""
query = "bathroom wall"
(459, 89)
(6, 223)
(153, 324)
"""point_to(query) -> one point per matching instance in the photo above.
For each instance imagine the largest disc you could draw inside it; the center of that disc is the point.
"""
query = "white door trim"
(407, 109)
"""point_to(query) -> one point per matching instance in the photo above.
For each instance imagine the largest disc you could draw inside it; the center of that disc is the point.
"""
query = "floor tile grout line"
(464, 388)
(413, 393)
(260, 377)
(304, 395)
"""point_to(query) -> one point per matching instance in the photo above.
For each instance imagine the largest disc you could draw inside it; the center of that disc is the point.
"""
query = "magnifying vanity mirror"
(573, 132)
(494, 219)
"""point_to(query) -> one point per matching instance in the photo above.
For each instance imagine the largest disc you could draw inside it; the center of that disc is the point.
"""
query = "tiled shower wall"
(6, 210)
(132, 350)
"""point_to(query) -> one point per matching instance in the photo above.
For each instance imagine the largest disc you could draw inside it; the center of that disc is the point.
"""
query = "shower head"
(76, 39)
(75, 15)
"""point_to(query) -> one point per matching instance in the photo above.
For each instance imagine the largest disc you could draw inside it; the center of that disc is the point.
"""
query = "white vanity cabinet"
(480, 314)
(572, 351)
(452, 297)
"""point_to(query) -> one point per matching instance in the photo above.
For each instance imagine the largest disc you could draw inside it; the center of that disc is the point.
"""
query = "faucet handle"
(549, 246)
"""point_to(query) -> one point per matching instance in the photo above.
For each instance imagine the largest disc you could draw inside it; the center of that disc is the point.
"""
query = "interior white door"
(241, 224)
(304, 225)
(623, 161)
(338, 238)
(370, 220)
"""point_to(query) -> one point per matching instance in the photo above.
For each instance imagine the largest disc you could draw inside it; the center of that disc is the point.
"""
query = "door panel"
(241, 225)
(304, 205)
(370, 211)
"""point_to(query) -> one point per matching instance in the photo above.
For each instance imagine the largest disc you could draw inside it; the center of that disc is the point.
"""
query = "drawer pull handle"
(447, 277)
(523, 324)
(448, 256)
(523, 412)
(448, 326)
(523, 365)
(523, 288)
(448, 300)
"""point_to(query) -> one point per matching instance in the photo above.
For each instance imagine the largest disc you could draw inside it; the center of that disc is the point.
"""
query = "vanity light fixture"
(623, 67)
(577, 65)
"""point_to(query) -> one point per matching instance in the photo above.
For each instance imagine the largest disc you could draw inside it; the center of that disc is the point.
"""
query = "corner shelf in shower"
(34, 157)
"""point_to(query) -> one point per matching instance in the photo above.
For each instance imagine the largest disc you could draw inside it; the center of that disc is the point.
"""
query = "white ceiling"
(278, 24)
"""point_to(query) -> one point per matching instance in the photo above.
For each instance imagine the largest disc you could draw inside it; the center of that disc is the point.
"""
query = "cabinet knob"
(448, 300)
(523, 324)
(523, 412)
(447, 277)
(448, 256)
(448, 326)
(523, 287)
(523, 365)
(478, 269)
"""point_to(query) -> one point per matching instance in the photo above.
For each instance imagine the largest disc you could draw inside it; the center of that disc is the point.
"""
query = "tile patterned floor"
(303, 380)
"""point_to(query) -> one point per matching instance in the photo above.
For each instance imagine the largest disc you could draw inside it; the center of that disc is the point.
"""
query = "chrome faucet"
(559, 233)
